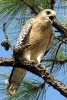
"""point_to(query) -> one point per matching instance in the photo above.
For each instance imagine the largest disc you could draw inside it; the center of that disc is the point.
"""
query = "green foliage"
(61, 55)
(30, 89)
(27, 91)
(10, 9)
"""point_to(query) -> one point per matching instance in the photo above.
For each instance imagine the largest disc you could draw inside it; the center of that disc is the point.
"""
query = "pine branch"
(52, 2)
(60, 27)
(30, 6)
(39, 70)
(10, 61)
(6, 43)
(6, 61)
(55, 60)
(62, 40)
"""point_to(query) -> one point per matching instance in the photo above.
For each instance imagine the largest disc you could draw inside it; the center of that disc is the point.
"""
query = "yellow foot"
(33, 61)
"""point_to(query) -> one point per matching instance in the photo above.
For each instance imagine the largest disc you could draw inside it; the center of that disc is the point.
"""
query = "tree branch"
(61, 28)
(30, 6)
(55, 60)
(6, 61)
(39, 70)
(10, 61)
(52, 2)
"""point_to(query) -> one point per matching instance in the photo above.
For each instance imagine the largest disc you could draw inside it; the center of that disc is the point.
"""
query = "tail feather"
(15, 79)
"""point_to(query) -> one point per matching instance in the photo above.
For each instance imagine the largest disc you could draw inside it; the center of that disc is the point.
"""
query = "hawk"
(39, 34)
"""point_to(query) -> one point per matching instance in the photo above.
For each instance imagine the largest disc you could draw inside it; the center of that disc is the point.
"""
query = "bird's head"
(47, 14)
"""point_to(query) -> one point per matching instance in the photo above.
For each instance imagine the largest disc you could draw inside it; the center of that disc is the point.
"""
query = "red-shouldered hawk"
(39, 34)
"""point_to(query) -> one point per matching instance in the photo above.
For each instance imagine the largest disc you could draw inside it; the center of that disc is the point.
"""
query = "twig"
(52, 2)
(55, 60)
(55, 56)
(63, 41)
(6, 43)
(61, 28)
(4, 30)
(31, 7)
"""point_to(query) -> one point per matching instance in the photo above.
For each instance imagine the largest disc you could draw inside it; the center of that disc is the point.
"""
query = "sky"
(51, 94)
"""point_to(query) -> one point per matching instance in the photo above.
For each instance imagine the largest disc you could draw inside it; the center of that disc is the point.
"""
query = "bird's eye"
(48, 12)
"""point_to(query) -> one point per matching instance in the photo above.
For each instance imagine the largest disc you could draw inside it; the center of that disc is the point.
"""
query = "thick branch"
(39, 70)
(10, 61)
(6, 61)
(61, 28)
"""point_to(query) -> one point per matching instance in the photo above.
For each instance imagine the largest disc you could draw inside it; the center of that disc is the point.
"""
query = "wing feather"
(24, 32)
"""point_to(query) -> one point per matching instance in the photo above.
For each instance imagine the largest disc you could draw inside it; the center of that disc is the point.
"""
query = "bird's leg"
(36, 64)
(39, 67)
